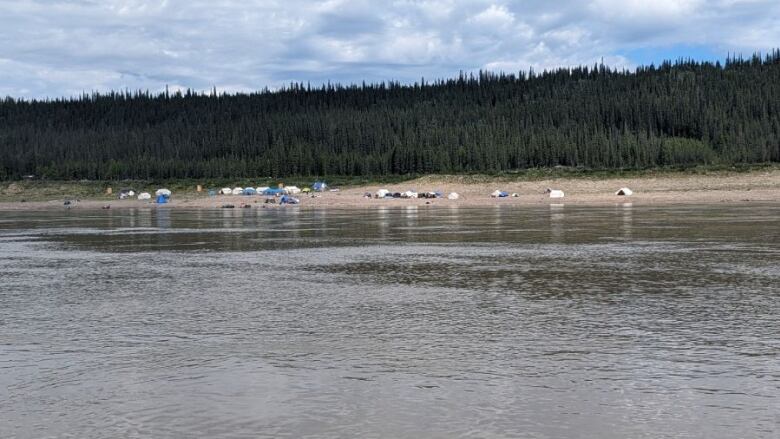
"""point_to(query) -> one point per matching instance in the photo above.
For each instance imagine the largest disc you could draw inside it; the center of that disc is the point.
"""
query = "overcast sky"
(62, 48)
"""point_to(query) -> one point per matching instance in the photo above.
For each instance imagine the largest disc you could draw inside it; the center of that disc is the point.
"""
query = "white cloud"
(54, 48)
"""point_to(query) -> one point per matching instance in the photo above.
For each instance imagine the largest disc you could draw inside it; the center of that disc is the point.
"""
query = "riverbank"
(761, 186)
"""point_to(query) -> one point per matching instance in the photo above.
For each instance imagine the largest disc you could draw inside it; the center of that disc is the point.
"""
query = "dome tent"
(319, 186)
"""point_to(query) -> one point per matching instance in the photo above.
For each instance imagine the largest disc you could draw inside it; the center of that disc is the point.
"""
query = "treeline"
(677, 113)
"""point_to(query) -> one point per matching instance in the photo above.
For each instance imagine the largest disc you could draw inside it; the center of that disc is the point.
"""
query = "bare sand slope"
(763, 187)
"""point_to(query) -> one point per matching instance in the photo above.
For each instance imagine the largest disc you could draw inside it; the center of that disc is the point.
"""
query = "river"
(545, 322)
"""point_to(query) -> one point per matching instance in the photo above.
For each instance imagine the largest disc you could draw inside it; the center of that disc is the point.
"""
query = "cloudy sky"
(63, 48)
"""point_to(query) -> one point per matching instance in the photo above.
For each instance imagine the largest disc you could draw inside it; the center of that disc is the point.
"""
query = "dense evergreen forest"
(677, 113)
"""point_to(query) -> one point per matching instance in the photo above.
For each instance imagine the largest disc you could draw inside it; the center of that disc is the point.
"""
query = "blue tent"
(503, 194)
(286, 199)
(319, 186)
(162, 199)
(250, 191)
(270, 191)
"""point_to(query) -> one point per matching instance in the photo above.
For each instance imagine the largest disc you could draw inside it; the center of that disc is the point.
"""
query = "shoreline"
(752, 187)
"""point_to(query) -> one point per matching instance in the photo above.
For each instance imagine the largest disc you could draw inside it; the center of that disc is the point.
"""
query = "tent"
(624, 191)
(271, 191)
(226, 191)
(286, 199)
(250, 191)
(453, 196)
(499, 194)
(237, 191)
(293, 190)
(261, 189)
(554, 193)
(144, 196)
(306, 190)
(164, 192)
(409, 194)
(161, 199)
(381, 193)
(125, 194)
(319, 186)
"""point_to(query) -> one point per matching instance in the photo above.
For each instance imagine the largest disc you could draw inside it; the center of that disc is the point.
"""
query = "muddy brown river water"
(544, 322)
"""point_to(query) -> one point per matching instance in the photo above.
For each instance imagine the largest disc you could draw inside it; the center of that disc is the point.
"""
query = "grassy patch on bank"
(46, 190)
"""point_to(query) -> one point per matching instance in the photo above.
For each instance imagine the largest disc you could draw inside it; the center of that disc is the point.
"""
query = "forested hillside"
(673, 114)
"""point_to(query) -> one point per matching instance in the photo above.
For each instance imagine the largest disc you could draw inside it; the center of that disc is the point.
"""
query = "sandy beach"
(749, 187)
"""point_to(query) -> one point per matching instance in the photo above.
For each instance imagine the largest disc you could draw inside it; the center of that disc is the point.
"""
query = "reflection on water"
(549, 322)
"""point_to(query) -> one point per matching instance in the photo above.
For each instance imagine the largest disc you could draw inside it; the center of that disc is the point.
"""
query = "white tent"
(408, 194)
(496, 193)
(453, 196)
(164, 192)
(237, 191)
(226, 191)
(381, 193)
(293, 190)
(144, 196)
(555, 193)
(624, 191)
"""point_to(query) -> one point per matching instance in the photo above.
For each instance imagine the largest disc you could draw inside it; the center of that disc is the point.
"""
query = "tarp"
(319, 186)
